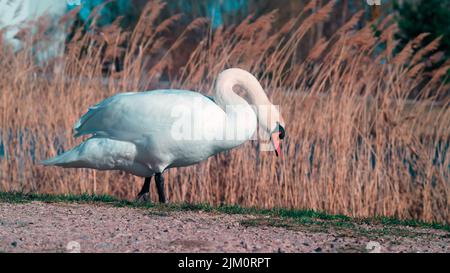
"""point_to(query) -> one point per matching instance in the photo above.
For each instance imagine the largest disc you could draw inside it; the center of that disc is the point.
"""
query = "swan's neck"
(228, 79)
(241, 113)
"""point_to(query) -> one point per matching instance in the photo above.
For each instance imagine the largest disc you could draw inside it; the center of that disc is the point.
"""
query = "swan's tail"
(96, 153)
(62, 160)
(75, 158)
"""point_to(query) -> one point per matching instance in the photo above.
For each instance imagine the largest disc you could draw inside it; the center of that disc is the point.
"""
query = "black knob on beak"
(282, 132)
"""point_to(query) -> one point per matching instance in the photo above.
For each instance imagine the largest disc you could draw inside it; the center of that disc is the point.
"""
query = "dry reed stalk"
(355, 144)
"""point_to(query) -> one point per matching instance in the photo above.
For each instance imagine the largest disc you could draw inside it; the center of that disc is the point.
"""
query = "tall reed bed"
(367, 129)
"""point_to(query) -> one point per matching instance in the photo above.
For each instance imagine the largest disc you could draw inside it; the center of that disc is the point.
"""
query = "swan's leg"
(144, 194)
(159, 179)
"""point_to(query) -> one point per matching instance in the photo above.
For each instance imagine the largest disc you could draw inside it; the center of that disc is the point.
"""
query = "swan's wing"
(134, 116)
(93, 121)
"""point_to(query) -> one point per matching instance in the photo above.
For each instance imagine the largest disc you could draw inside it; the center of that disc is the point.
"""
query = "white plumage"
(145, 133)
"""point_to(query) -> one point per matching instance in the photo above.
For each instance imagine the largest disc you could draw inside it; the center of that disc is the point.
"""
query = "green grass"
(279, 217)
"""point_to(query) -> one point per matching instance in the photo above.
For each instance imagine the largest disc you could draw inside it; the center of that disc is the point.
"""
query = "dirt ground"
(72, 227)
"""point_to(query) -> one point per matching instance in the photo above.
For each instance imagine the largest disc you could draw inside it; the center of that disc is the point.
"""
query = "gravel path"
(61, 227)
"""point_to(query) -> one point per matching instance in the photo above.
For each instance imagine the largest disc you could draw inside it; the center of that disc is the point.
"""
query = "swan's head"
(276, 136)
(272, 123)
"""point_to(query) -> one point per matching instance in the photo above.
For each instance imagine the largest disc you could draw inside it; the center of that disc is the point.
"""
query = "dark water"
(442, 148)
(26, 138)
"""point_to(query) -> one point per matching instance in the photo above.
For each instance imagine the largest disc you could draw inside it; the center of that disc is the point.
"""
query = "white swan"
(145, 133)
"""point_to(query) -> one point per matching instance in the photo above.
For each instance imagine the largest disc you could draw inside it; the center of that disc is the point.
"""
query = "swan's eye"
(282, 132)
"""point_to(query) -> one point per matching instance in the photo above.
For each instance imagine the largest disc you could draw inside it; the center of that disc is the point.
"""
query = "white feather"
(138, 132)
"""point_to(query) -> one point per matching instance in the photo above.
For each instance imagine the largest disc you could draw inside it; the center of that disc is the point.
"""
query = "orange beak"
(276, 143)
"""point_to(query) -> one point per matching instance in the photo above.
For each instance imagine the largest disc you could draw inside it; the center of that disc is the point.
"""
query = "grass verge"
(278, 217)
